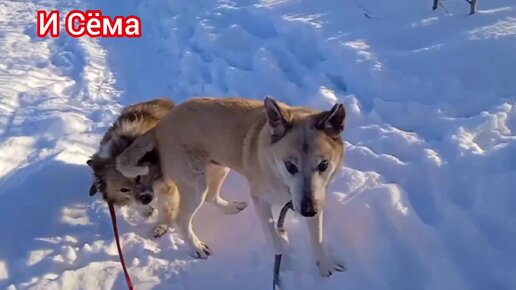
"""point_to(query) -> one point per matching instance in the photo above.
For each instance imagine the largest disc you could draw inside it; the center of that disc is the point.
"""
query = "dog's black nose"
(145, 198)
(308, 207)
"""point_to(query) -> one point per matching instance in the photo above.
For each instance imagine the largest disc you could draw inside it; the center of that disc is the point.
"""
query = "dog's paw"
(235, 207)
(201, 251)
(131, 171)
(160, 230)
(328, 265)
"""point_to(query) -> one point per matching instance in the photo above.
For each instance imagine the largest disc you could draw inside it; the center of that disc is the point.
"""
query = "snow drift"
(425, 199)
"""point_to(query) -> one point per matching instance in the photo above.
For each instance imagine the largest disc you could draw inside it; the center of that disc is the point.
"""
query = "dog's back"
(133, 121)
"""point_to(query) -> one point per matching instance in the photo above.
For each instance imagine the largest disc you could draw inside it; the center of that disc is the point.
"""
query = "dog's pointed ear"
(93, 189)
(332, 121)
(276, 118)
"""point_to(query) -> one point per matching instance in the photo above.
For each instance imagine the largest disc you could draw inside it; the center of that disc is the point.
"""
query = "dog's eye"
(124, 189)
(323, 165)
(291, 167)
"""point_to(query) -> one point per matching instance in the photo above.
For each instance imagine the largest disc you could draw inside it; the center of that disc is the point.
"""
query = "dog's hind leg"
(216, 176)
(193, 193)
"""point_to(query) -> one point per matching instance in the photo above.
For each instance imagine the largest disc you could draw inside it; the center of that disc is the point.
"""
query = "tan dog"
(286, 153)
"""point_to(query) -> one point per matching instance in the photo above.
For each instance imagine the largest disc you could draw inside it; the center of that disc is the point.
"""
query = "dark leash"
(117, 238)
(277, 258)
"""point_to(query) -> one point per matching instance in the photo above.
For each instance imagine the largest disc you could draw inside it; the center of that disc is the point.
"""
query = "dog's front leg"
(326, 263)
(168, 202)
(277, 241)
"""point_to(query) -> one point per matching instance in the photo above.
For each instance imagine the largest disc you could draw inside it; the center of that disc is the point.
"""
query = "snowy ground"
(425, 201)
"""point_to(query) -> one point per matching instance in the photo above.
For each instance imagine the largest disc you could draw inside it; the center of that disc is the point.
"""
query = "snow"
(425, 199)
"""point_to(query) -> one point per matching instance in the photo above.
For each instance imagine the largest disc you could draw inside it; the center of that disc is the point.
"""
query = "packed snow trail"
(54, 93)
(425, 200)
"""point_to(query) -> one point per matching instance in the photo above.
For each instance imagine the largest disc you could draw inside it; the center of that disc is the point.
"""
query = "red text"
(91, 23)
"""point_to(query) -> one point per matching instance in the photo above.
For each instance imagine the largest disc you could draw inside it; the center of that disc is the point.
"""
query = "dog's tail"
(127, 161)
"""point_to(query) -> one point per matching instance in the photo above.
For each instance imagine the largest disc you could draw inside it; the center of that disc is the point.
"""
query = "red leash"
(117, 238)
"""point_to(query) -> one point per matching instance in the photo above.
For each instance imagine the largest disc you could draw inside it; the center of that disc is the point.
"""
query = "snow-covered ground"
(426, 199)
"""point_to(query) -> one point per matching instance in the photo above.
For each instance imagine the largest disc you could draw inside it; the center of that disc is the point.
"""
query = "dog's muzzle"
(308, 207)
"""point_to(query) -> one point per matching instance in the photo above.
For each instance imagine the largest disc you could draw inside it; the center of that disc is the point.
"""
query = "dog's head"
(306, 151)
(117, 188)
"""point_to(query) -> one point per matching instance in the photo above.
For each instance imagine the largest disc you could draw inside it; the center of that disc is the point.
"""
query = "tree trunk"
(436, 4)
(472, 7)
